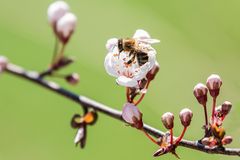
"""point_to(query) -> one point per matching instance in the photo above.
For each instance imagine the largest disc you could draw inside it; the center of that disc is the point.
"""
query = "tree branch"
(89, 103)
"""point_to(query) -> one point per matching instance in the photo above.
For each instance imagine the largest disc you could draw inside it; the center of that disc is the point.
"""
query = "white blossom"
(116, 63)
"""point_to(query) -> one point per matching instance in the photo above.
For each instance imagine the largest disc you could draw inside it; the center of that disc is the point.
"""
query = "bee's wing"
(149, 41)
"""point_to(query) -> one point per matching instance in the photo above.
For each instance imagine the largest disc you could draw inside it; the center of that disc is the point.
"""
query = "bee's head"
(128, 43)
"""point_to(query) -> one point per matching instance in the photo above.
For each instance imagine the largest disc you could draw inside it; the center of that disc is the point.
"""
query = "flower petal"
(111, 43)
(141, 34)
(109, 66)
(128, 82)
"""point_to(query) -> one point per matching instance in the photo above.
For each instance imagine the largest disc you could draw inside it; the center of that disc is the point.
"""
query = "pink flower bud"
(168, 120)
(56, 10)
(226, 107)
(132, 115)
(66, 26)
(185, 117)
(206, 141)
(209, 141)
(200, 92)
(214, 83)
(72, 78)
(3, 63)
(153, 72)
(227, 140)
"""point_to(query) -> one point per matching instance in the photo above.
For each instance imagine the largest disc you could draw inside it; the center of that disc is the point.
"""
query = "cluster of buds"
(133, 62)
(63, 23)
(62, 20)
(214, 132)
(80, 123)
(168, 143)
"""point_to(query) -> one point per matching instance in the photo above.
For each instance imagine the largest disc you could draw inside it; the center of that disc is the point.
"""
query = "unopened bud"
(66, 26)
(168, 120)
(132, 115)
(185, 117)
(200, 92)
(206, 141)
(3, 63)
(226, 107)
(209, 141)
(153, 72)
(72, 78)
(227, 140)
(214, 83)
(55, 11)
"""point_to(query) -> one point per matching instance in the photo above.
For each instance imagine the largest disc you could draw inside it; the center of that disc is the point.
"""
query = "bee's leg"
(119, 52)
(131, 52)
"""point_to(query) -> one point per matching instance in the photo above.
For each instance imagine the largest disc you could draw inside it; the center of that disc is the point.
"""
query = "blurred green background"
(198, 38)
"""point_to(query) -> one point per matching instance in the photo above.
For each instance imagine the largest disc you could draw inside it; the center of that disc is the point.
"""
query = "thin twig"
(89, 103)
(55, 50)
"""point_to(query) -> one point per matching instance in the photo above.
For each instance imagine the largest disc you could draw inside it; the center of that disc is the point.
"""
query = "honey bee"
(131, 45)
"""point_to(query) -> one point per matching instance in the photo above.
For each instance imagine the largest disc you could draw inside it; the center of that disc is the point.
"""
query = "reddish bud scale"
(218, 132)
